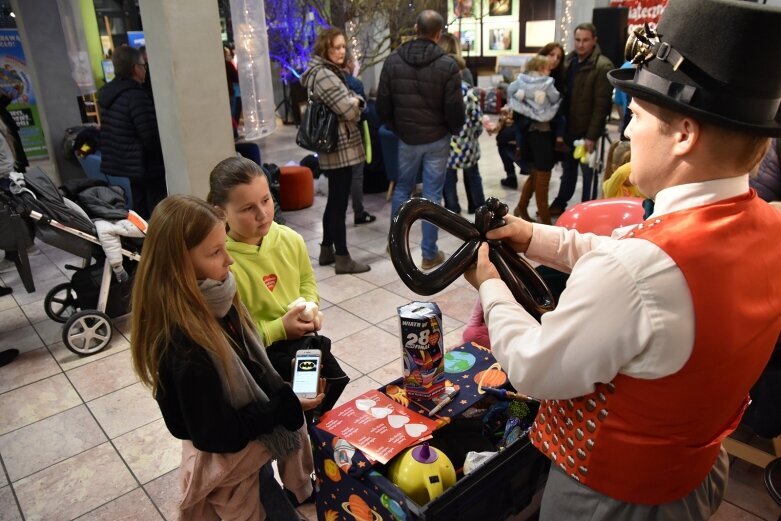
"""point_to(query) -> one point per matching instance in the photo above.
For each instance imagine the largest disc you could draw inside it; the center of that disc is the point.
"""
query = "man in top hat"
(646, 363)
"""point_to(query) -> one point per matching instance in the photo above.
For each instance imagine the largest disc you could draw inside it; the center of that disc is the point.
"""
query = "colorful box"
(422, 349)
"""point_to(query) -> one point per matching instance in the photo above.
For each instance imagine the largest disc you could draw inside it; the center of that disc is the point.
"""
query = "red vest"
(654, 441)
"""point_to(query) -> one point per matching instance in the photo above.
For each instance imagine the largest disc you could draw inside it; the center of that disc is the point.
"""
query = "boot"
(522, 208)
(326, 255)
(345, 264)
(541, 195)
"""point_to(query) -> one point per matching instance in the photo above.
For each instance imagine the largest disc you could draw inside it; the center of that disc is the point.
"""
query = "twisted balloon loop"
(524, 282)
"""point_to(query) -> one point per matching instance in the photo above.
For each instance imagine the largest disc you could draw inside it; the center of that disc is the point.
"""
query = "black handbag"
(319, 128)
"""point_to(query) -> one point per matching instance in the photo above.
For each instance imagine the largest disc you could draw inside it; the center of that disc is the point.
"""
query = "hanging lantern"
(76, 44)
(254, 66)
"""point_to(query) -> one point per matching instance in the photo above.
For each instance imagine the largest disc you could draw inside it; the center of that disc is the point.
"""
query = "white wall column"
(191, 95)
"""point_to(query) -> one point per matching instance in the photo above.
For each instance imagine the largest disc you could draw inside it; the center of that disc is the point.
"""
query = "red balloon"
(602, 216)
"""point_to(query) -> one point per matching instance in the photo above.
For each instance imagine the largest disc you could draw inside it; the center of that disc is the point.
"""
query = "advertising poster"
(641, 11)
(15, 82)
(136, 39)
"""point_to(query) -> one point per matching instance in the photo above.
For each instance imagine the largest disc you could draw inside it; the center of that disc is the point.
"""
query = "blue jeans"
(473, 184)
(433, 158)
(569, 178)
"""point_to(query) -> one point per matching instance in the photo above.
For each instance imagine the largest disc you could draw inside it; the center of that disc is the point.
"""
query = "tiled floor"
(80, 438)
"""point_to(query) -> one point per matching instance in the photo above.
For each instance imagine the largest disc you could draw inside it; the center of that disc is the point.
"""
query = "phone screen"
(305, 378)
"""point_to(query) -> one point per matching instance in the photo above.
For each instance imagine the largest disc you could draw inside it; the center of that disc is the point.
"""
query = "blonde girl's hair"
(166, 300)
(536, 63)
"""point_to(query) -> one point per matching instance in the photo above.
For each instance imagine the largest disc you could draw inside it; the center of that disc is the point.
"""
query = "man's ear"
(687, 135)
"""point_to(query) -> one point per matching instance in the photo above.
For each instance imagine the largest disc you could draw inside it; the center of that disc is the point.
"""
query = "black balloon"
(523, 281)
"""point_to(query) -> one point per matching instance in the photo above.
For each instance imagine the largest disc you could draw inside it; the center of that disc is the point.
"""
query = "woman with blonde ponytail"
(194, 345)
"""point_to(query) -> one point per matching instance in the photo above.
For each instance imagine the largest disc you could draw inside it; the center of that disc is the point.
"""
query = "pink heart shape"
(397, 420)
(381, 412)
(365, 404)
(415, 429)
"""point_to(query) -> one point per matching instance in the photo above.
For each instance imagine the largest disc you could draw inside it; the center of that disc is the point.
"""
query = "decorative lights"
(254, 66)
(565, 23)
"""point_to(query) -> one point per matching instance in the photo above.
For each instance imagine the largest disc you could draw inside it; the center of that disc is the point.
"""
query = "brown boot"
(345, 264)
(522, 209)
(541, 195)
(326, 255)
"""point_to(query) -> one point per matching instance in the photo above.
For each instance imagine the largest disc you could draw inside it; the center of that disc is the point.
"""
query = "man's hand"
(484, 269)
(516, 233)
(295, 327)
(590, 145)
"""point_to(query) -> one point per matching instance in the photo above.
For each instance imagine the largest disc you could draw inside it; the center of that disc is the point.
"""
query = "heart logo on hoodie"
(270, 281)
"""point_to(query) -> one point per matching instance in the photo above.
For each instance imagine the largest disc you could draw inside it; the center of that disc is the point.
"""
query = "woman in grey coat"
(325, 81)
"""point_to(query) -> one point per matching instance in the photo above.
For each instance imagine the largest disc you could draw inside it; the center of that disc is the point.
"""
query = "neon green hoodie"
(271, 276)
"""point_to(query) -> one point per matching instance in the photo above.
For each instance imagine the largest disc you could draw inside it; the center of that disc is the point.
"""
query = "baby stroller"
(93, 297)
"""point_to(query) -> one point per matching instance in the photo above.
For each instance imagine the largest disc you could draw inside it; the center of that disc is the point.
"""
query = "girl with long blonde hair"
(194, 345)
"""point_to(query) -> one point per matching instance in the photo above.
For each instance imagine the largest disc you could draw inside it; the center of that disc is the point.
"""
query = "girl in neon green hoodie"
(272, 269)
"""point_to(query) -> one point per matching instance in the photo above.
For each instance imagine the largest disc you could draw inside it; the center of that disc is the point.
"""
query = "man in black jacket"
(130, 140)
(420, 100)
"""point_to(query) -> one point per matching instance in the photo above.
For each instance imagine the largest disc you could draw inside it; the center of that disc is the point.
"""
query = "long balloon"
(523, 281)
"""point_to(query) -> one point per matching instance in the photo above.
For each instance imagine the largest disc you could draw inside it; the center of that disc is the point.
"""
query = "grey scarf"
(237, 382)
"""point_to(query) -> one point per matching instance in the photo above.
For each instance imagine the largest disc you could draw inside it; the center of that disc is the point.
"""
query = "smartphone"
(306, 373)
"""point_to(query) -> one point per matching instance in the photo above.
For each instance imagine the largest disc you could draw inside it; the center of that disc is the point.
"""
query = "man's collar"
(681, 197)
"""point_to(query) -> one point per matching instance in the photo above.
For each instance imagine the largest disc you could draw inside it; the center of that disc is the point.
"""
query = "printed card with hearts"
(376, 425)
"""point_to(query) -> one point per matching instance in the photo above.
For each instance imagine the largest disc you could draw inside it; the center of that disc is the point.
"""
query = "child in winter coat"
(465, 152)
(535, 99)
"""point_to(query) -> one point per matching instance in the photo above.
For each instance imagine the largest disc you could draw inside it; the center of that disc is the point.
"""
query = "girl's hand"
(307, 404)
(295, 327)
(318, 320)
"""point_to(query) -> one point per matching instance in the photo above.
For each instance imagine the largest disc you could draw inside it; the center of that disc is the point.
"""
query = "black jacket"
(129, 137)
(195, 408)
(419, 97)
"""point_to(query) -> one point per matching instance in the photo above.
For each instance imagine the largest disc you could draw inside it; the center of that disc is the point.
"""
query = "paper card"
(377, 426)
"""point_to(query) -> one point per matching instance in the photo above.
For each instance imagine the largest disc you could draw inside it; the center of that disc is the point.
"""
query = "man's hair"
(742, 150)
(324, 40)
(587, 26)
(430, 23)
(124, 59)
(536, 63)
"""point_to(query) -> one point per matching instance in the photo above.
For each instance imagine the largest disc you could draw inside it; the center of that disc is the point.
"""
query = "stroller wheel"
(60, 302)
(87, 332)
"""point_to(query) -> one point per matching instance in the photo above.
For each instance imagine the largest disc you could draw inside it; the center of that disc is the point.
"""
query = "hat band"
(740, 108)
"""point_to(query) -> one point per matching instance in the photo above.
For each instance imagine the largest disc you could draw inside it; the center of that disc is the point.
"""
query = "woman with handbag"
(325, 82)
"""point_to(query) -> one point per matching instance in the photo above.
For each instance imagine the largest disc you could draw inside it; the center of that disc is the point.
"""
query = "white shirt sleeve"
(626, 309)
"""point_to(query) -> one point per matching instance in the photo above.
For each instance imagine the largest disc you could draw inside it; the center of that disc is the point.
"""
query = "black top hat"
(715, 60)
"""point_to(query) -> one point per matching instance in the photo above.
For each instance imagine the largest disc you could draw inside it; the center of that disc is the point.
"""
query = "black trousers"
(334, 230)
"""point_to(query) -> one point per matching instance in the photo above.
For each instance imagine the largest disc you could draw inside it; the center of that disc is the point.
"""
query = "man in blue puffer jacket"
(129, 137)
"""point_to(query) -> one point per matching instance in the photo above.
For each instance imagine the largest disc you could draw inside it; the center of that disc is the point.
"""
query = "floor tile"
(70, 360)
(458, 302)
(166, 493)
(49, 331)
(103, 376)
(368, 349)
(42, 287)
(9, 511)
(133, 506)
(746, 489)
(36, 401)
(11, 319)
(28, 367)
(389, 372)
(340, 288)
(35, 312)
(3, 478)
(374, 306)
(338, 323)
(125, 410)
(349, 370)
(150, 451)
(23, 339)
(7, 302)
(454, 338)
(49, 441)
(74, 486)
(357, 388)
(729, 512)
(383, 272)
